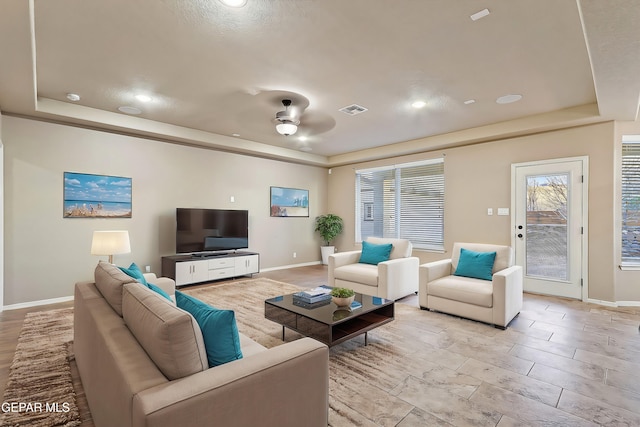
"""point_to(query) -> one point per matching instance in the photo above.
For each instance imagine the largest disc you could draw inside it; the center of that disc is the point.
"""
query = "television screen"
(202, 230)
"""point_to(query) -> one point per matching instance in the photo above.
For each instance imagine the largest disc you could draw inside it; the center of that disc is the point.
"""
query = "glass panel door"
(547, 240)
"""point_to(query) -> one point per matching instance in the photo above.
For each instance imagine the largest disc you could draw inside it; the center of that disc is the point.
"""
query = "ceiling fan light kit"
(286, 128)
(286, 123)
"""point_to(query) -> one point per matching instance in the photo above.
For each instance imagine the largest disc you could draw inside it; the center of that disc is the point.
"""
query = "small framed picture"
(289, 202)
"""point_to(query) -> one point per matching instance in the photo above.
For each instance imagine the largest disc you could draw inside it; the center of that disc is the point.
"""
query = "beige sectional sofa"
(142, 362)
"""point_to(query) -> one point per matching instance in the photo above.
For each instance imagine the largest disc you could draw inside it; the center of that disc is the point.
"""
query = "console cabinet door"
(191, 272)
(246, 265)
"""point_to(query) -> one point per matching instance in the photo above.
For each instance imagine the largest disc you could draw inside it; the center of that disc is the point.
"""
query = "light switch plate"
(503, 211)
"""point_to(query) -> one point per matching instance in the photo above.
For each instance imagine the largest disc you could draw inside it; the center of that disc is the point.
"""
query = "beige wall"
(46, 253)
(478, 177)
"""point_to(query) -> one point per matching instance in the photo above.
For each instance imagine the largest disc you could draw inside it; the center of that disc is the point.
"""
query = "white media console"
(190, 269)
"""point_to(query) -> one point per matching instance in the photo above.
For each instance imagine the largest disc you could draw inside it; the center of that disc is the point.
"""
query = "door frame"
(584, 270)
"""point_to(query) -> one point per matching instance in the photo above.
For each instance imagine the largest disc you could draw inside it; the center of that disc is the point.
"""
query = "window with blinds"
(631, 202)
(402, 201)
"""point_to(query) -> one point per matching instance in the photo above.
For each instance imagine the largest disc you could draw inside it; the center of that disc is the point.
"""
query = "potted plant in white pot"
(329, 226)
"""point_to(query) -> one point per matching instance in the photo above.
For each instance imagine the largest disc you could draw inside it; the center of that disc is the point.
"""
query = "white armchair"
(495, 301)
(392, 279)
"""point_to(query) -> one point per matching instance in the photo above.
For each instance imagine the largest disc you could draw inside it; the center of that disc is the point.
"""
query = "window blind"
(402, 201)
(631, 202)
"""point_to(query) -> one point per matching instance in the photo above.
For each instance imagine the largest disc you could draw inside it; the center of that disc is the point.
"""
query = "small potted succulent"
(342, 297)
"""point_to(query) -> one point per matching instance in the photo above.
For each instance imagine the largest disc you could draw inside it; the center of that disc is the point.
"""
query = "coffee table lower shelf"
(330, 332)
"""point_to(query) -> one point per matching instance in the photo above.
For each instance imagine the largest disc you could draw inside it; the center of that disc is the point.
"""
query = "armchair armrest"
(398, 277)
(281, 386)
(428, 273)
(338, 260)
(507, 294)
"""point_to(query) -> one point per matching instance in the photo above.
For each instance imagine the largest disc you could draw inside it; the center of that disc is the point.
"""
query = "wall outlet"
(147, 268)
(295, 254)
(489, 211)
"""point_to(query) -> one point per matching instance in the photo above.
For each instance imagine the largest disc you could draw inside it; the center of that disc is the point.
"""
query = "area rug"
(361, 377)
(40, 390)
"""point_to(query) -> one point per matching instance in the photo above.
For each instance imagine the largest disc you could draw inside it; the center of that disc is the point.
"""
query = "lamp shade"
(110, 243)
(286, 128)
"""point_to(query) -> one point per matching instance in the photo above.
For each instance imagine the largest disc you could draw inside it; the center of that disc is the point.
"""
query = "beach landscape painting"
(96, 196)
(289, 202)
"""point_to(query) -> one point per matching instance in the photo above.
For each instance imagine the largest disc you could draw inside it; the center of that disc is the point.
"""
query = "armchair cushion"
(375, 253)
(478, 265)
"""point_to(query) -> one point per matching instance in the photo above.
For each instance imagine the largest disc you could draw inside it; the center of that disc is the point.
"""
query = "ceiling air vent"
(353, 109)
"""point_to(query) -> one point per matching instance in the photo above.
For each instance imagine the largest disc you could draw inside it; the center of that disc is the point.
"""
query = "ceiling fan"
(286, 122)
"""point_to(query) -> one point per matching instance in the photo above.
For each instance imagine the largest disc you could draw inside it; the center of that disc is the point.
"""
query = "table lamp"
(110, 243)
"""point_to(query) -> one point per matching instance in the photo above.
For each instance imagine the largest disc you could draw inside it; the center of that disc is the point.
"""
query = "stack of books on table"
(312, 298)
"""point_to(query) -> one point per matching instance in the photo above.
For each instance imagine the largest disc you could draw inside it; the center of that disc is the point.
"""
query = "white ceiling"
(214, 71)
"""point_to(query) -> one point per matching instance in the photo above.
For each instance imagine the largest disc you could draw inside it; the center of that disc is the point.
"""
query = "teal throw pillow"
(478, 265)
(159, 290)
(219, 329)
(375, 254)
(134, 272)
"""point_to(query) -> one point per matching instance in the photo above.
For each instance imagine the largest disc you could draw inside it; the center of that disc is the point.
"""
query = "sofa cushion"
(375, 254)
(366, 274)
(134, 272)
(170, 336)
(402, 248)
(160, 291)
(219, 329)
(478, 265)
(463, 289)
(109, 281)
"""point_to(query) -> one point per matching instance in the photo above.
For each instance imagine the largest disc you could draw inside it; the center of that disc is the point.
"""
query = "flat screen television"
(211, 230)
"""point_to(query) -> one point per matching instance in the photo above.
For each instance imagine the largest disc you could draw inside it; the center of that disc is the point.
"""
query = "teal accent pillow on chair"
(375, 254)
(478, 265)
(219, 329)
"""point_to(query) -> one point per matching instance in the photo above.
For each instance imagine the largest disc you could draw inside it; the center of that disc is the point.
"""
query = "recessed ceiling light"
(235, 134)
(480, 15)
(129, 110)
(469, 101)
(234, 3)
(143, 98)
(73, 97)
(508, 99)
(418, 104)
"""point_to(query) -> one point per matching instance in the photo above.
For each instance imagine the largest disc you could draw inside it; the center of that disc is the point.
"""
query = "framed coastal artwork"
(96, 196)
(289, 202)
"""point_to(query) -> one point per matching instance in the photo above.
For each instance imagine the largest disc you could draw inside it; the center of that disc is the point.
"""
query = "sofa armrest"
(398, 277)
(428, 273)
(165, 283)
(282, 386)
(338, 260)
(507, 294)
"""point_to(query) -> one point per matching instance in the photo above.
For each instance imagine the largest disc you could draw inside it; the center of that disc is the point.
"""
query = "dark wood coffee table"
(327, 323)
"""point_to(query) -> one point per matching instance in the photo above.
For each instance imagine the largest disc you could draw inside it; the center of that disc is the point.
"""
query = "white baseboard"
(614, 303)
(37, 303)
(283, 267)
